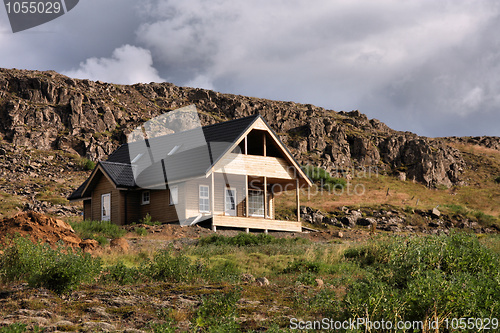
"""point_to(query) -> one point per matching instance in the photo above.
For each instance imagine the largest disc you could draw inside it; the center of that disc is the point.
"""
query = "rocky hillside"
(46, 110)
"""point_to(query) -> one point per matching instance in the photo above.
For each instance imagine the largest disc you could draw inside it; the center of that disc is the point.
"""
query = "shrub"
(454, 275)
(122, 274)
(218, 311)
(244, 239)
(225, 271)
(98, 230)
(307, 278)
(169, 327)
(141, 231)
(167, 267)
(58, 269)
(303, 266)
(319, 175)
(457, 209)
(484, 219)
(66, 271)
(85, 163)
(18, 328)
(147, 220)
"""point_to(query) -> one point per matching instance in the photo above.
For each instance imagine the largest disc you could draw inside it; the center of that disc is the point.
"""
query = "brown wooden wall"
(87, 209)
(159, 207)
(105, 186)
(126, 206)
(131, 201)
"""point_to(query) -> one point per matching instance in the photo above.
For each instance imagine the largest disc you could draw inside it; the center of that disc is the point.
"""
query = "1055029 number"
(33, 7)
(471, 323)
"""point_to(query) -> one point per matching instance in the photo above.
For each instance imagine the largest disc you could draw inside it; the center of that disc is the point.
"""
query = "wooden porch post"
(212, 201)
(265, 197)
(246, 196)
(265, 145)
(297, 193)
(212, 195)
(246, 145)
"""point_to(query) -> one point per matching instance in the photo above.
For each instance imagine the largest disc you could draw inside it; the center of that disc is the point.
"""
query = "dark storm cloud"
(429, 67)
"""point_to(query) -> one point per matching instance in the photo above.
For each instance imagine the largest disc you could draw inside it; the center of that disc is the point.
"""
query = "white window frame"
(174, 195)
(105, 216)
(235, 201)
(250, 203)
(143, 200)
(204, 198)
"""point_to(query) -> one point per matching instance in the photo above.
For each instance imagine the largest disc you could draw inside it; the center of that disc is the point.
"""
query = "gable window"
(174, 195)
(146, 196)
(204, 199)
(106, 207)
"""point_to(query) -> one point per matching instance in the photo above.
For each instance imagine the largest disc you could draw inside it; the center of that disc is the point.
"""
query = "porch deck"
(256, 223)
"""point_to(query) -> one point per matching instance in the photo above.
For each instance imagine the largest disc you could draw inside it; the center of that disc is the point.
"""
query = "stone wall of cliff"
(46, 110)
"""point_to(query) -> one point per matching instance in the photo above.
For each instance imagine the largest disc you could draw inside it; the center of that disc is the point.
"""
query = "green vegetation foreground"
(390, 278)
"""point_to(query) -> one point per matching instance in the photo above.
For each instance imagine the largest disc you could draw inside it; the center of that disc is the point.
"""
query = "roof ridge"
(109, 162)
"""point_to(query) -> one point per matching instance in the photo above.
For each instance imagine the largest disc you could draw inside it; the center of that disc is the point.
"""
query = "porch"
(255, 223)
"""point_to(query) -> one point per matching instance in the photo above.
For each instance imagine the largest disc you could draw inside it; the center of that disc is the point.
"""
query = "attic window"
(176, 148)
(137, 158)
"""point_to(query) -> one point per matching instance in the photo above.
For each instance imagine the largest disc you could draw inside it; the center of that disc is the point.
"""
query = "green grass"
(59, 269)
(148, 221)
(19, 328)
(323, 177)
(85, 164)
(98, 230)
(388, 277)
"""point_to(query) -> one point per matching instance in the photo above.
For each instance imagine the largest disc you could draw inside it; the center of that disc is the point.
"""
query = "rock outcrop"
(393, 219)
(46, 110)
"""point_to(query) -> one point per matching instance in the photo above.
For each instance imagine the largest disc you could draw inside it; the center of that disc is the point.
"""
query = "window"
(204, 199)
(174, 195)
(256, 203)
(230, 201)
(145, 197)
(106, 207)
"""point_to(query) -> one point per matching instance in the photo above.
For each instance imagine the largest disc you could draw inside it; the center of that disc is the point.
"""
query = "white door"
(106, 207)
(230, 202)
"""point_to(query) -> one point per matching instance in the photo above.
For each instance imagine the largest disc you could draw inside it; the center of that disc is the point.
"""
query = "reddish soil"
(41, 228)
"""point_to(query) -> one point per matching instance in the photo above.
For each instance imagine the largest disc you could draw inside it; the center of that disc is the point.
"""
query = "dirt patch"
(40, 228)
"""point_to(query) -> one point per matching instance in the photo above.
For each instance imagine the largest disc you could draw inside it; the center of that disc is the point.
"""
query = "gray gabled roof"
(190, 160)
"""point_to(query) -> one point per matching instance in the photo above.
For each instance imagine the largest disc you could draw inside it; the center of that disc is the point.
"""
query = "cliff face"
(46, 110)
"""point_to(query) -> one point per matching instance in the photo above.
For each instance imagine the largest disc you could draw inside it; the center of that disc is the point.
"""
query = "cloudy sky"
(431, 67)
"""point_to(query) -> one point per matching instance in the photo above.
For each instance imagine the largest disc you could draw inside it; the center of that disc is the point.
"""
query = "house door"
(230, 202)
(106, 207)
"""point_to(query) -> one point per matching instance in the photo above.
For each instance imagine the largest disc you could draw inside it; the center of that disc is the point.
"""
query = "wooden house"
(231, 181)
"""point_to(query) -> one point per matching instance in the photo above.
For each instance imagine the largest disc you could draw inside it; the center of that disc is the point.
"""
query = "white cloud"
(127, 65)
(413, 64)
(342, 46)
(473, 98)
(201, 81)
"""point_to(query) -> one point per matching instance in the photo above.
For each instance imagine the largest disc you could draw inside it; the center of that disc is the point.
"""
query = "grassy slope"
(479, 193)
